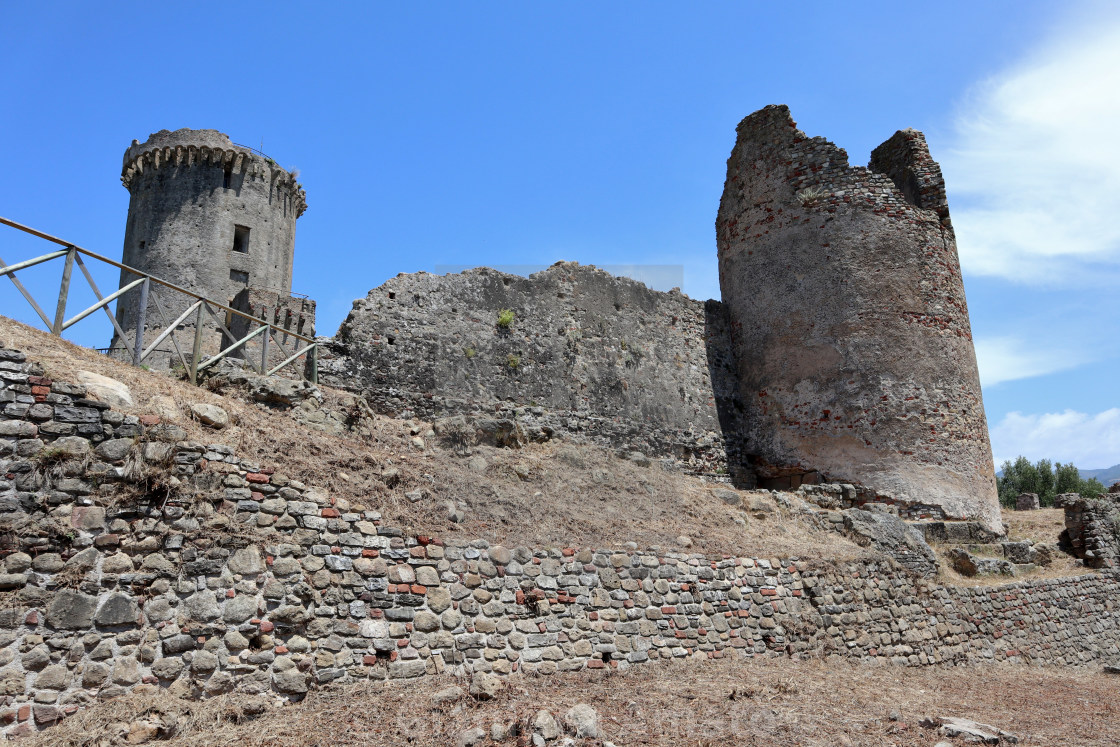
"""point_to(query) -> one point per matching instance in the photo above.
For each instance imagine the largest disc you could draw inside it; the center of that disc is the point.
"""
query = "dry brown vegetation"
(568, 495)
(1062, 567)
(695, 704)
(1043, 525)
(561, 494)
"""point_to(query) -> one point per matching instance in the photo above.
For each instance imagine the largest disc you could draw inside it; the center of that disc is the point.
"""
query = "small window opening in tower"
(143, 245)
(227, 179)
(241, 239)
(239, 276)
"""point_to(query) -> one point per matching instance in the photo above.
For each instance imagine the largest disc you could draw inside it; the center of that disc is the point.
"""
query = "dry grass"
(1063, 566)
(581, 496)
(575, 496)
(699, 704)
(1043, 525)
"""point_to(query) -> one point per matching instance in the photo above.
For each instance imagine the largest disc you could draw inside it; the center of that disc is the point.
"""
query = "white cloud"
(1010, 358)
(1089, 441)
(1035, 164)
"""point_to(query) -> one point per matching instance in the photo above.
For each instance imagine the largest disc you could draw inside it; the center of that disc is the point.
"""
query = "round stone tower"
(851, 333)
(210, 216)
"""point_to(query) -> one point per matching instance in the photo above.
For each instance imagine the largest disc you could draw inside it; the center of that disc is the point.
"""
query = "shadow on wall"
(725, 391)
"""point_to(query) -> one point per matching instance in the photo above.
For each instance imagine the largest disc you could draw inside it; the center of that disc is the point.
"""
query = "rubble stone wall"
(132, 558)
(848, 315)
(286, 314)
(1092, 528)
(587, 355)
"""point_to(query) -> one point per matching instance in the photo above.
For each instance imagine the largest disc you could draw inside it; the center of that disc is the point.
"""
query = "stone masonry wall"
(1092, 528)
(848, 316)
(134, 559)
(289, 313)
(587, 355)
(190, 194)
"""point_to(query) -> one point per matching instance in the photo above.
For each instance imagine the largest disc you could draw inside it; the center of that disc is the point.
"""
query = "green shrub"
(513, 361)
(1044, 478)
(505, 318)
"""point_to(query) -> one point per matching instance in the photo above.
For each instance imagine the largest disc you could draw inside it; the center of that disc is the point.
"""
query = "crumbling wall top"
(901, 180)
(906, 160)
(772, 125)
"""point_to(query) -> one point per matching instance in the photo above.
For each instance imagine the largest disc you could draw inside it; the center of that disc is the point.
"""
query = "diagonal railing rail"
(200, 306)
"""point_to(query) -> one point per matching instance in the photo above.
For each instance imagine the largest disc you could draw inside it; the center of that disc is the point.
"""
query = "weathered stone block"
(71, 610)
(211, 415)
(117, 609)
(240, 608)
(77, 415)
(246, 561)
(55, 677)
(202, 606)
(110, 391)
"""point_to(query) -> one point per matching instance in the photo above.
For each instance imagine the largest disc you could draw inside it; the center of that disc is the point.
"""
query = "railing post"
(141, 321)
(264, 348)
(197, 350)
(34, 304)
(63, 292)
(72, 254)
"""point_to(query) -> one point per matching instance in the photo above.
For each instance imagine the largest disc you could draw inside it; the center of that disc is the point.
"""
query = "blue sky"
(451, 134)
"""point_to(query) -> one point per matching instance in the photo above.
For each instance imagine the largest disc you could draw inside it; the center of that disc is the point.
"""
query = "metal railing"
(259, 152)
(269, 333)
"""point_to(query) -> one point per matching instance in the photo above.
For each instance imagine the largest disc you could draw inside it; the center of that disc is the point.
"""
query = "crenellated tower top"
(214, 217)
(211, 147)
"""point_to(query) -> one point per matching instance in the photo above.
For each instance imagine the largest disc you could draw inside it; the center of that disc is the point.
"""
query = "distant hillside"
(1108, 475)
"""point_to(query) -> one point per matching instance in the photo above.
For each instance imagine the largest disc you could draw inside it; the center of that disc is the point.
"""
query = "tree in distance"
(1044, 478)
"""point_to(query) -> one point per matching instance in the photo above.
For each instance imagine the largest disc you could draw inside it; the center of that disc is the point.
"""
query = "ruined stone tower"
(215, 218)
(849, 323)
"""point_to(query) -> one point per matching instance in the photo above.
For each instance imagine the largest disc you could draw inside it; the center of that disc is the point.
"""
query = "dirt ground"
(815, 703)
